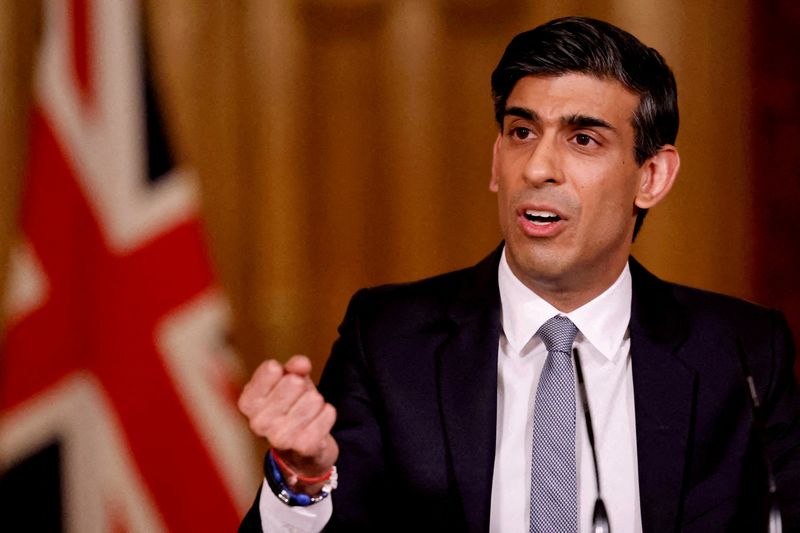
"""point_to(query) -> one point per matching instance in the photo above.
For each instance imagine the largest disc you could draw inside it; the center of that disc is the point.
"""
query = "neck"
(569, 292)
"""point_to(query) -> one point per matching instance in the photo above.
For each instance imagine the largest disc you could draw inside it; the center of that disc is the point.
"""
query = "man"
(456, 405)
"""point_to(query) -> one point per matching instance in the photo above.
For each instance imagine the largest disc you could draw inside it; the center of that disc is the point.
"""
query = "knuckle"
(256, 427)
(315, 400)
(295, 381)
(292, 384)
(241, 404)
(244, 403)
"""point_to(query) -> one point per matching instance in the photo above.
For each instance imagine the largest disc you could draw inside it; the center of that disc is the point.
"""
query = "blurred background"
(346, 143)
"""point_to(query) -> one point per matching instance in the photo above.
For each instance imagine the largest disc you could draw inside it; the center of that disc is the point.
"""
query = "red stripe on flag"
(48, 344)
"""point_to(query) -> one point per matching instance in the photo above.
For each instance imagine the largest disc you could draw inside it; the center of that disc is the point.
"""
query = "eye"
(584, 139)
(521, 133)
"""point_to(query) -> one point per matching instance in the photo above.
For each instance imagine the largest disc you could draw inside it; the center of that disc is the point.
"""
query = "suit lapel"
(664, 397)
(467, 379)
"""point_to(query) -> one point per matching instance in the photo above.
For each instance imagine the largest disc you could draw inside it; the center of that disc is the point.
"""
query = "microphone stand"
(775, 523)
(600, 522)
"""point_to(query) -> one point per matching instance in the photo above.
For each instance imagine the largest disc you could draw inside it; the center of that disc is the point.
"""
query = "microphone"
(775, 523)
(600, 522)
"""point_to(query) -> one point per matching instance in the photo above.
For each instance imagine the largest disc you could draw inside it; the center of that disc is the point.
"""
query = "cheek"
(607, 204)
(614, 218)
(503, 188)
(502, 206)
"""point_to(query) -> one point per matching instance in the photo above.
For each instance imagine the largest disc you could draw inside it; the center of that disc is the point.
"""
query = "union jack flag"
(114, 366)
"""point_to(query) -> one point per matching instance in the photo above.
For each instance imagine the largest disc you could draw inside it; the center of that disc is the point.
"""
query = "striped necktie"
(554, 486)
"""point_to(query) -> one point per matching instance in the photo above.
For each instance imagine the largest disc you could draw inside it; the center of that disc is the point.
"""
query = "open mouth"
(541, 218)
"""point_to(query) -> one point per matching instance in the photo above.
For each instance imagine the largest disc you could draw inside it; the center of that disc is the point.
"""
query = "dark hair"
(589, 46)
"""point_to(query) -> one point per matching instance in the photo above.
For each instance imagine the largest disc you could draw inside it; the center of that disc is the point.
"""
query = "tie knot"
(558, 334)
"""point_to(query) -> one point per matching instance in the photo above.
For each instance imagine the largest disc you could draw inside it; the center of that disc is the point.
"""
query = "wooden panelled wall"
(344, 143)
(776, 161)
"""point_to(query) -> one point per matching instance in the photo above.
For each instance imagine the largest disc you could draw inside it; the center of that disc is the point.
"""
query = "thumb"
(299, 365)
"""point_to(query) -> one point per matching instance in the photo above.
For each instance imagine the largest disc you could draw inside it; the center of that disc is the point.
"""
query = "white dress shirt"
(604, 347)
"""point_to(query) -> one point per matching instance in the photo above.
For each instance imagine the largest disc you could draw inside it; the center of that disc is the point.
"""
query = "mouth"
(541, 221)
(540, 218)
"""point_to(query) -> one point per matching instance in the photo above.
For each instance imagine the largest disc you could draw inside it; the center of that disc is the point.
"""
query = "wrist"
(296, 479)
(297, 493)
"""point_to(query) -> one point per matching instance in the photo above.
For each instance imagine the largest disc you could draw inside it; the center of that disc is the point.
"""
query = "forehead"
(553, 98)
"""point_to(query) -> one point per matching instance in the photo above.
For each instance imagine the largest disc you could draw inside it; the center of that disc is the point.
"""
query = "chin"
(540, 266)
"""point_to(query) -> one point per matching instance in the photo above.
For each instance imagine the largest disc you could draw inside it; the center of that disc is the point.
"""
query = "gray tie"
(554, 486)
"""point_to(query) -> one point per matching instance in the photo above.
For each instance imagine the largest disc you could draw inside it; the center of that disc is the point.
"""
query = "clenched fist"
(283, 405)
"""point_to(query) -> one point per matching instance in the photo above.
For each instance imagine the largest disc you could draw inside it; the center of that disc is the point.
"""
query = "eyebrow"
(585, 121)
(576, 120)
(521, 112)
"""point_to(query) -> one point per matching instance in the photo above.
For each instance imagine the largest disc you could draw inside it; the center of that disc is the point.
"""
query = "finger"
(299, 364)
(302, 412)
(267, 412)
(314, 438)
(267, 374)
(264, 379)
(313, 450)
(271, 418)
(284, 394)
(324, 421)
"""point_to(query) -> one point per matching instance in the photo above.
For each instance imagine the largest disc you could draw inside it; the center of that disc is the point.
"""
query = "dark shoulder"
(716, 304)
(692, 300)
(430, 299)
(707, 312)
(423, 291)
(746, 320)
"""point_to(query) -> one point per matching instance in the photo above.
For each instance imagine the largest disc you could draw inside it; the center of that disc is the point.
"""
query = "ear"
(494, 181)
(659, 173)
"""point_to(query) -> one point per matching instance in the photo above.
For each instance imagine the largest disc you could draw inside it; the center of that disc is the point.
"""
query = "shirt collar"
(602, 321)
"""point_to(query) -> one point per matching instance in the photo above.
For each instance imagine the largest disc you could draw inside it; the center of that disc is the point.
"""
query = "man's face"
(567, 182)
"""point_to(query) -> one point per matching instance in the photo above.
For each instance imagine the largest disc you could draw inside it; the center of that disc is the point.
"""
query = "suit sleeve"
(346, 383)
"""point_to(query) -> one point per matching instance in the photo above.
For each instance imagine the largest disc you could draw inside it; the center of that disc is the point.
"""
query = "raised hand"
(282, 405)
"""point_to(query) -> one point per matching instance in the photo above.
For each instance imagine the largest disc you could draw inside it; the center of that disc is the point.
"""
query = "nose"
(543, 164)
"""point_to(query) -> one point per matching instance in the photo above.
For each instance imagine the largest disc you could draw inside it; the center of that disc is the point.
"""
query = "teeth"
(541, 218)
(532, 213)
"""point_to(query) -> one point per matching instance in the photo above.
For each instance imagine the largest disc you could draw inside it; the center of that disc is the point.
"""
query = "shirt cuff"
(277, 517)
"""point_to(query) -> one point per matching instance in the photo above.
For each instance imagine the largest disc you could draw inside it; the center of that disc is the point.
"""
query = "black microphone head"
(600, 518)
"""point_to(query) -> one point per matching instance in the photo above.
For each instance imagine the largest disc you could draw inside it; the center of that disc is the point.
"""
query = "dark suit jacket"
(414, 379)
